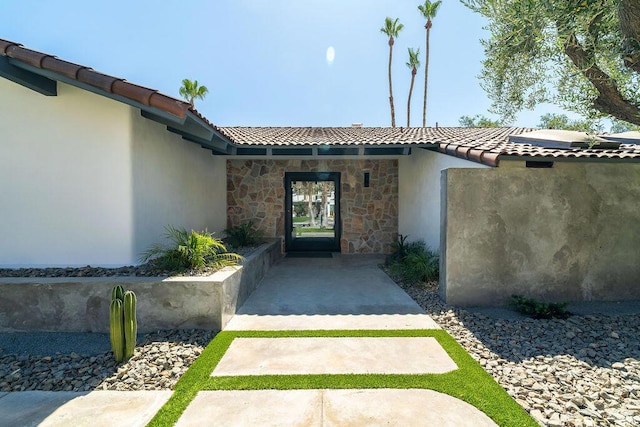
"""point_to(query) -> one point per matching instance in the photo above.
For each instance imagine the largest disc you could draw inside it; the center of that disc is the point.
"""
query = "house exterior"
(92, 168)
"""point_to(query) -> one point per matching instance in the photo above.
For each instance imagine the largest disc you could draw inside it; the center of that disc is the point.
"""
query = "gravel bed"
(160, 359)
(144, 270)
(582, 371)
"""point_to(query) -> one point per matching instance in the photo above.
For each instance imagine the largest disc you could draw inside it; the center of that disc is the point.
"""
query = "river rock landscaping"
(582, 371)
(159, 360)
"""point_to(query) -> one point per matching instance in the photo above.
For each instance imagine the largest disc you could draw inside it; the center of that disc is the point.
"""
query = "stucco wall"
(568, 233)
(369, 215)
(175, 182)
(419, 193)
(65, 173)
(86, 180)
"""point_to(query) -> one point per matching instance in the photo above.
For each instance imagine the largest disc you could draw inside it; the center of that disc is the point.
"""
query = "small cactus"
(117, 293)
(130, 324)
(116, 317)
(123, 325)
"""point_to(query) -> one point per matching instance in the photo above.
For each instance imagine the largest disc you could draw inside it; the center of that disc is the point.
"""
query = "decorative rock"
(76, 372)
(574, 372)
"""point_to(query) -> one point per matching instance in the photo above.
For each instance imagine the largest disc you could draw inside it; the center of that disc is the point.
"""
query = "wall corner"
(443, 235)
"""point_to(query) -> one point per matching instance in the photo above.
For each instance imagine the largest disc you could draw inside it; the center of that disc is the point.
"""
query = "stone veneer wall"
(255, 191)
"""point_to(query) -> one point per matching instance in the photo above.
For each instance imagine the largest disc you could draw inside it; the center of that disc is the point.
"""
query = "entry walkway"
(311, 320)
(347, 293)
(344, 292)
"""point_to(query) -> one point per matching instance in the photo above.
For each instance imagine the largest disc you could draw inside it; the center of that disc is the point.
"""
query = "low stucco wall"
(82, 304)
(567, 233)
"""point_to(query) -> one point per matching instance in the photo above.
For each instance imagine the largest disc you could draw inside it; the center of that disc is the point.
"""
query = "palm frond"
(190, 250)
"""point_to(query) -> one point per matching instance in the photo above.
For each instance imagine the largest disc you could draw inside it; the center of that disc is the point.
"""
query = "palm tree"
(429, 11)
(413, 64)
(190, 90)
(391, 28)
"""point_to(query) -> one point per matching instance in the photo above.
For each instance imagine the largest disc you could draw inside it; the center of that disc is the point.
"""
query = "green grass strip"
(469, 382)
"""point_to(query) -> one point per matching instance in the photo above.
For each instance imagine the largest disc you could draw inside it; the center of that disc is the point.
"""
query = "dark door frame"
(333, 246)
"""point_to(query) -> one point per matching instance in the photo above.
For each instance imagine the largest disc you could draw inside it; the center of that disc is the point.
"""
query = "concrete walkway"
(340, 293)
(343, 292)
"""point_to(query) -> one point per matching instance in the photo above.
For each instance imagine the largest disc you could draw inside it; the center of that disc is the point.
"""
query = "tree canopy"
(583, 55)
(479, 121)
(561, 121)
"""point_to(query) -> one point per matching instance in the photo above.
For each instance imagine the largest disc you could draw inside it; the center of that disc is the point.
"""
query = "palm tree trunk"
(426, 75)
(393, 112)
(323, 217)
(312, 216)
(413, 79)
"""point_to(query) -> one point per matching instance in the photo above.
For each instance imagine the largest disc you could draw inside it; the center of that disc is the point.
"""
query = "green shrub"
(413, 262)
(538, 309)
(300, 208)
(398, 250)
(190, 250)
(243, 235)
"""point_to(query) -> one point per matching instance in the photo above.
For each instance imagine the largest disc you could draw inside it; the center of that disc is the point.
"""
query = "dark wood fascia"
(251, 151)
(28, 79)
(218, 146)
(574, 159)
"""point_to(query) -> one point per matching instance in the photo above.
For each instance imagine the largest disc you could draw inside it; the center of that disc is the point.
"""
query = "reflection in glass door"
(312, 211)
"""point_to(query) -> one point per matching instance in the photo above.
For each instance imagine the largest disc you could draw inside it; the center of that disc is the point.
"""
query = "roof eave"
(189, 125)
(571, 159)
(325, 150)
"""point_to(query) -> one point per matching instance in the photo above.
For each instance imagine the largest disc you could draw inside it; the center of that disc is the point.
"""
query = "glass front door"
(312, 211)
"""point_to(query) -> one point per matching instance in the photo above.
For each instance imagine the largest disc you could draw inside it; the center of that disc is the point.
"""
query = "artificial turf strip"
(469, 382)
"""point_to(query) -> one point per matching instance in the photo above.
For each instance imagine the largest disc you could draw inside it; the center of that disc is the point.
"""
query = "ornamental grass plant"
(190, 250)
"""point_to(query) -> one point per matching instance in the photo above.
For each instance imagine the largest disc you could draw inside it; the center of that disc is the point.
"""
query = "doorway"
(312, 211)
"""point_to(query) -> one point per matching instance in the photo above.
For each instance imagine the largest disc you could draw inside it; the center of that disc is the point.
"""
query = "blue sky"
(264, 61)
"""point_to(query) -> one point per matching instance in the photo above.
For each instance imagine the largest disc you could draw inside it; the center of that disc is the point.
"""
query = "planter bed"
(81, 304)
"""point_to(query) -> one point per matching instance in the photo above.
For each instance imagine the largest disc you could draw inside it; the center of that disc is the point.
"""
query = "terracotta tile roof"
(302, 136)
(109, 84)
(483, 145)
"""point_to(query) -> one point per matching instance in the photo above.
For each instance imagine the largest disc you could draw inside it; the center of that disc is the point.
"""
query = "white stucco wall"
(65, 170)
(419, 193)
(86, 180)
(175, 182)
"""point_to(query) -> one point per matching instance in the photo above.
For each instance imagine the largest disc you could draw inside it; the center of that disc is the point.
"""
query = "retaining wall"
(82, 304)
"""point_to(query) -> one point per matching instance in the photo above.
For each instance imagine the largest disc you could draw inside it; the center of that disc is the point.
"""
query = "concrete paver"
(389, 407)
(408, 407)
(238, 408)
(343, 292)
(94, 409)
(344, 355)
